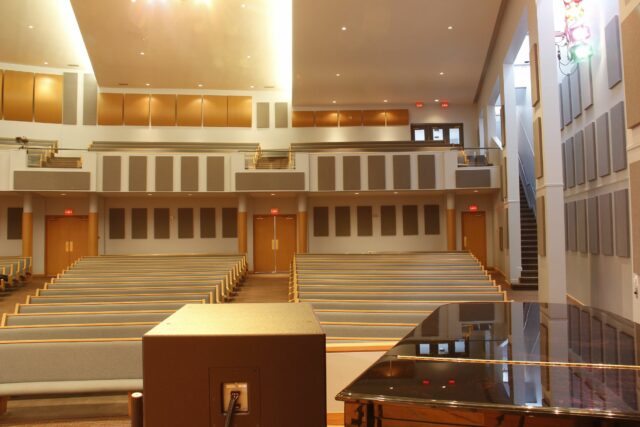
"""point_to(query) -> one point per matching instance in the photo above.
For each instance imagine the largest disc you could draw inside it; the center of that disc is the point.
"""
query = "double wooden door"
(474, 235)
(67, 240)
(274, 242)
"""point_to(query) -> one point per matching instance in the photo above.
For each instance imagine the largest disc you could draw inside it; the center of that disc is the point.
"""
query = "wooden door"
(66, 241)
(474, 235)
(263, 234)
(286, 241)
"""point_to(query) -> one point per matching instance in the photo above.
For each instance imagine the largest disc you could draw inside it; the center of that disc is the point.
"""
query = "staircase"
(529, 236)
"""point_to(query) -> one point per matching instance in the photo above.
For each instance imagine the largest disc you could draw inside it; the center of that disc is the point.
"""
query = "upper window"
(446, 133)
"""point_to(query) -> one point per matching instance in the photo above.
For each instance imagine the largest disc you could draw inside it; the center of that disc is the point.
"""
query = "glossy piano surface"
(526, 358)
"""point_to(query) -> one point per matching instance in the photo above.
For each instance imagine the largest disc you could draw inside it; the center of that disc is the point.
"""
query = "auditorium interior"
(320, 213)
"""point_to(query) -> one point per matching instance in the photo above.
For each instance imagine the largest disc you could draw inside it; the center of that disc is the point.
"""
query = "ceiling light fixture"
(436, 100)
(243, 5)
(199, 84)
(385, 101)
(147, 84)
(30, 27)
(252, 86)
(142, 53)
(148, 194)
(450, 27)
(248, 56)
(442, 73)
(337, 74)
(357, 194)
(46, 63)
(344, 28)
(334, 101)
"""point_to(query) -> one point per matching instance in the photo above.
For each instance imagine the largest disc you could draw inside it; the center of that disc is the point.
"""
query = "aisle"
(263, 288)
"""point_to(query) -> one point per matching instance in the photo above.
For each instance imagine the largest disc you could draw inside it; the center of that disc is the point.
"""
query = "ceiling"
(391, 50)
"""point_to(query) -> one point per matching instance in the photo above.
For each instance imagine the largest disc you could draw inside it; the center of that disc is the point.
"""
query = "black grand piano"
(504, 364)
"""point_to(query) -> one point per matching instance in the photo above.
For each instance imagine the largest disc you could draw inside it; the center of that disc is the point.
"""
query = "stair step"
(529, 280)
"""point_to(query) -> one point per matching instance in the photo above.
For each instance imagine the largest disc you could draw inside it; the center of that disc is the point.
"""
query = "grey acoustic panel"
(576, 101)
(571, 226)
(262, 115)
(410, 220)
(567, 117)
(571, 164)
(14, 223)
(282, 114)
(581, 225)
(139, 223)
(426, 171)
(377, 172)
(351, 173)
(161, 223)
(207, 223)
(215, 173)
(473, 178)
(431, 219)
(563, 151)
(566, 227)
(111, 173)
(578, 154)
(48, 181)
(89, 100)
(586, 84)
(623, 229)
(185, 223)
(602, 145)
(326, 173)
(606, 224)
(613, 51)
(401, 172)
(561, 102)
(116, 223)
(164, 173)
(365, 220)
(388, 220)
(593, 221)
(541, 220)
(229, 222)
(320, 221)
(590, 151)
(70, 99)
(270, 181)
(138, 173)
(189, 173)
(618, 138)
(343, 221)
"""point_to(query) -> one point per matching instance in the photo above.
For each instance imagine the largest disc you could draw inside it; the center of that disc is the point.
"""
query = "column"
(242, 224)
(27, 225)
(552, 283)
(451, 222)
(93, 225)
(302, 224)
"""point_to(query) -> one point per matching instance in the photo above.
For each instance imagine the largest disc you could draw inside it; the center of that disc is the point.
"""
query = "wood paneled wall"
(350, 118)
(27, 96)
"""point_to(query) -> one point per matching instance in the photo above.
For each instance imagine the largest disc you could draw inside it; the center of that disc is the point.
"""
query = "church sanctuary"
(314, 213)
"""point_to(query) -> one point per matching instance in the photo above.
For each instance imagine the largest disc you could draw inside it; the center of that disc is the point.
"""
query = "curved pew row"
(379, 298)
(13, 268)
(67, 318)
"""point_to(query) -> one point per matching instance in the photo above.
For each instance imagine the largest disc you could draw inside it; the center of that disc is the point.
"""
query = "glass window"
(454, 136)
(443, 133)
(419, 135)
(437, 134)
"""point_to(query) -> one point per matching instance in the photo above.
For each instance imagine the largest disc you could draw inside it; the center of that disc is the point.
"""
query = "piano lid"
(524, 357)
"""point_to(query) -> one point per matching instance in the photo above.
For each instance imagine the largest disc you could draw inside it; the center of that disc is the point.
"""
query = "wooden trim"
(3, 321)
(575, 301)
(108, 302)
(367, 324)
(66, 313)
(72, 340)
(3, 404)
(372, 311)
(335, 418)
(78, 325)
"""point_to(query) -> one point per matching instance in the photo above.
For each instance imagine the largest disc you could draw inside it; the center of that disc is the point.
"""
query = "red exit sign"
(473, 208)
(275, 211)
(68, 212)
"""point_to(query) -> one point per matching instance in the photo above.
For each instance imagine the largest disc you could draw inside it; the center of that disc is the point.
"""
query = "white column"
(552, 284)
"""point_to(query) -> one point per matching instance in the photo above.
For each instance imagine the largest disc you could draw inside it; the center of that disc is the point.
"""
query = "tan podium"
(273, 355)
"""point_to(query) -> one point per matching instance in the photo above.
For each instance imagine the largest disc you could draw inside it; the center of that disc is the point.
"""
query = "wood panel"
(136, 109)
(350, 118)
(374, 117)
(47, 104)
(163, 110)
(18, 96)
(286, 241)
(474, 235)
(631, 55)
(189, 110)
(66, 241)
(326, 118)
(1, 98)
(214, 111)
(110, 109)
(303, 119)
(240, 111)
(397, 117)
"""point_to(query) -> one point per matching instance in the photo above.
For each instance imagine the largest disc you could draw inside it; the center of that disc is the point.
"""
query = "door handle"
(66, 246)
(70, 245)
(273, 244)
(277, 244)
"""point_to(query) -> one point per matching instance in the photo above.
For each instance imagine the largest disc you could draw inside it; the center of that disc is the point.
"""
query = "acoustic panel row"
(38, 97)
(130, 109)
(164, 173)
(347, 118)
(139, 218)
(364, 220)
(376, 172)
(599, 225)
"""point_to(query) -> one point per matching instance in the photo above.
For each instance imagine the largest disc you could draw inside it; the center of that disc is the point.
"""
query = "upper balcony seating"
(39, 152)
(173, 147)
(90, 320)
(362, 298)
(373, 146)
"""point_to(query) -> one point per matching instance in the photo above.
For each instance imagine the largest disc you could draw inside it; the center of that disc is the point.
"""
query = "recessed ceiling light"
(243, 5)
(189, 194)
(450, 27)
(46, 63)
(148, 194)
(386, 100)
(142, 53)
(30, 27)
(395, 192)
(436, 100)
(133, 1)
(63, 194)
(147, 84)
(334, 101)
(357, 194)
(252, 86)
(442, 73)
(475, 191)
(344, 28)
(199, 84)
(248, 56)
(337, 74)
(273, 194)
